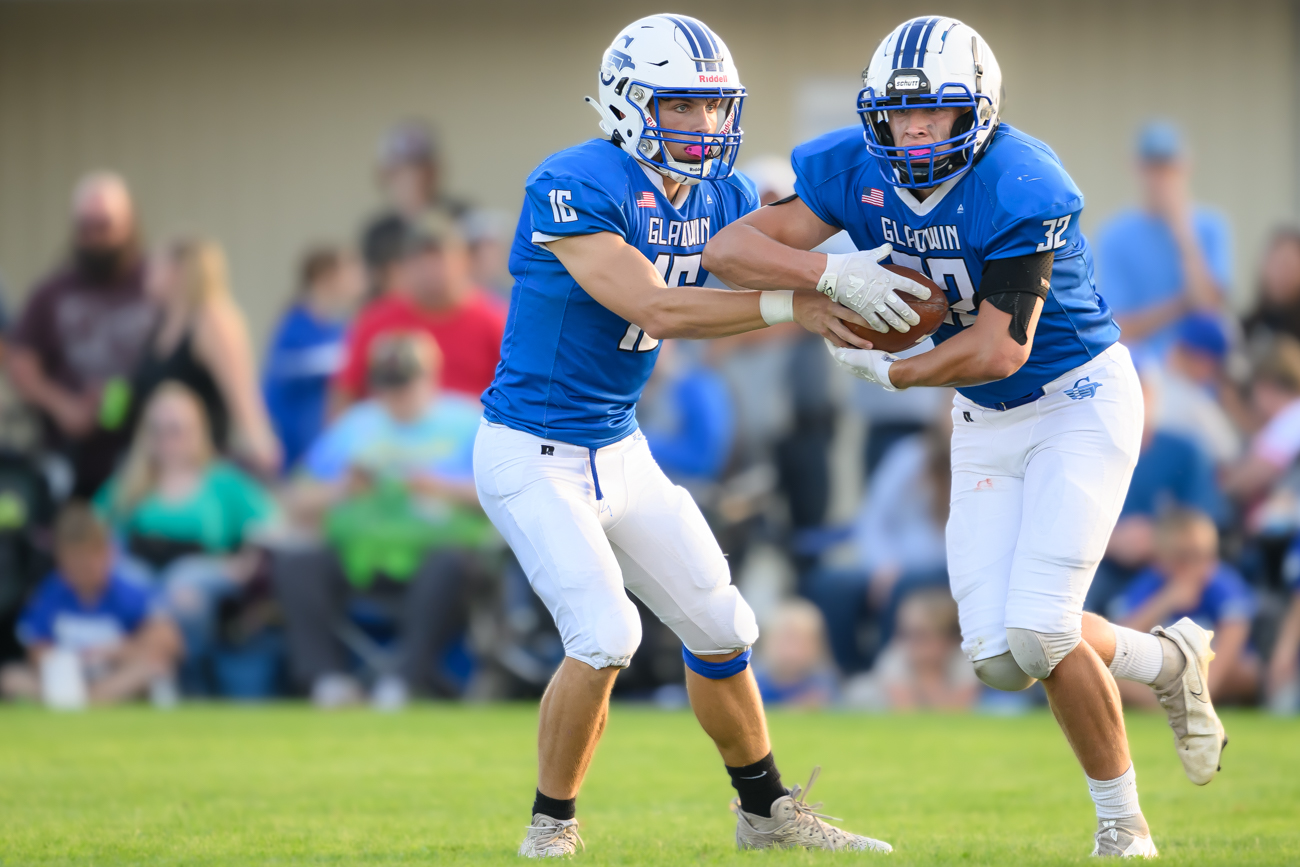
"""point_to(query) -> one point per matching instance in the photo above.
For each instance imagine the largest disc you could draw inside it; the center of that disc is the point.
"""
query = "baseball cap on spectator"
(1160, 141)
(399, 359)
(408, 142)
(1204, 333)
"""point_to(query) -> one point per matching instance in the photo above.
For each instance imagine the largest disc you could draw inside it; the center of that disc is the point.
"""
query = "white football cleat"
(795, 825)
(551, 838)
(1198, 733)
(1124, 838)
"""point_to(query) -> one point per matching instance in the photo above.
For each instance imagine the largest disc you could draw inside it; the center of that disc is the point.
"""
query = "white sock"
(1138, 655)
(1117, 798)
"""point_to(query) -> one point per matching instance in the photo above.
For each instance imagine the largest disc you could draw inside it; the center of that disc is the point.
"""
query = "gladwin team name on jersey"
(681, 233)
(921, 240)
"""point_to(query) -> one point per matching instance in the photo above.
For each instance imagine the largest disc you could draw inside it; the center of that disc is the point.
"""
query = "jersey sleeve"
(824, 168)
(563, 206)
(1036, 209)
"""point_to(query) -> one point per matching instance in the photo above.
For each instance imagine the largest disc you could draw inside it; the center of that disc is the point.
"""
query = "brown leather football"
(932, 312)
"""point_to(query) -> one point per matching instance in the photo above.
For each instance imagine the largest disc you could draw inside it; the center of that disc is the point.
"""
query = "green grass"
(452, 785)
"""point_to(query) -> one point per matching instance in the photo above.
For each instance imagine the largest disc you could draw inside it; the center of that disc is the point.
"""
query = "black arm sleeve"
(1011, 285)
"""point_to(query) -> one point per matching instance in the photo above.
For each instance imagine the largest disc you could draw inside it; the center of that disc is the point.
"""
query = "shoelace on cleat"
(557, 832)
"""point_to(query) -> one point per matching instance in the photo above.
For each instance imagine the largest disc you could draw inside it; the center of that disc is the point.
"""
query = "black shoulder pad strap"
(1032, 274)
(785, 201)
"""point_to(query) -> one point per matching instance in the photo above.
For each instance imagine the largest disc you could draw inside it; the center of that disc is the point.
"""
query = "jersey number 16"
(675, 271)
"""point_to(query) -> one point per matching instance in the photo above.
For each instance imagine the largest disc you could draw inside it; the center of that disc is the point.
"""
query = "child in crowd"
(1188, 580)
(308, 347)
(122, 644)
(793, 665)
(923, 666)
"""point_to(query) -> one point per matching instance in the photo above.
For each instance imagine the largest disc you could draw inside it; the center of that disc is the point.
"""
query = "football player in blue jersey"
(606, 262)
(1048, 414)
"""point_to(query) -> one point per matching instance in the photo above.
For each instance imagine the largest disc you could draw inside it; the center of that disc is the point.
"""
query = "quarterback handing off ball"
(932, 312)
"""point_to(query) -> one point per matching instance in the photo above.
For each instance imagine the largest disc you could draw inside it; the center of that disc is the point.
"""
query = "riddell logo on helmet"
(714, 79)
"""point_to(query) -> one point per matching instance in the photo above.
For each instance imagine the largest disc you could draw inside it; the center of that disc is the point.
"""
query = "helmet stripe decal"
(925, 40)
(686, 31)
(913, 36)
(898, 46)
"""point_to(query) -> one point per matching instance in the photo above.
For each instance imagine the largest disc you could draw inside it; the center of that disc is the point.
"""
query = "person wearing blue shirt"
(1188, 580)
(121, 639)
(1166, 259)
(607, 262)
(1048, 413)
(402, 461)
(308, 348)
(693, 423)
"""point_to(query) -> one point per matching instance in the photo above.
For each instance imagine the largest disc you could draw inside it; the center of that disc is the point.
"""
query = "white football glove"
(869, 364)
(857, 281)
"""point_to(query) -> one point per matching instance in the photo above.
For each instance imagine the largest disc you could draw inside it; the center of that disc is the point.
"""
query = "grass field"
(452, 785)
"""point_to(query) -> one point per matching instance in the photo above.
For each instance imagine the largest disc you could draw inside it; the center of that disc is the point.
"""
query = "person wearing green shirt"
(185, 518)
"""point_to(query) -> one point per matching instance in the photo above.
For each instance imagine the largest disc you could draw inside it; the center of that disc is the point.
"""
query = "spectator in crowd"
(1157, 263)
(689, 420)
(793, 666)
(1193, 389)
(187, 518)
(488, 234)
(1275, 403)
(308, 347)
(1283, 683)
(124, 645)
(923, 667)
(393, 480)
(1277, 307)
(1189, 580)
(899, 535)
(85, 324)
(434, 296)
(410, 179)
(1171, 472)
(201, 341)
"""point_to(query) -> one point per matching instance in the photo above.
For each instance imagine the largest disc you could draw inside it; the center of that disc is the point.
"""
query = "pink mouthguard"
(696, 151)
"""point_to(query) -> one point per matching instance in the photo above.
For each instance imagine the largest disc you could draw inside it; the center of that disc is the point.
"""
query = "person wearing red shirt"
(432, 293)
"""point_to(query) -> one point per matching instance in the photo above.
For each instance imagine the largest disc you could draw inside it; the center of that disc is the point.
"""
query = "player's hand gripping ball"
(931, 312)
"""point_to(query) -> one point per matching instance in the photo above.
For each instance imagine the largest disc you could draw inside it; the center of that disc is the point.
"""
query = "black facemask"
(100, 264)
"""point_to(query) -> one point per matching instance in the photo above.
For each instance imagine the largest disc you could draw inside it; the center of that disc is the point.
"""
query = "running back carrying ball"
(932, 312)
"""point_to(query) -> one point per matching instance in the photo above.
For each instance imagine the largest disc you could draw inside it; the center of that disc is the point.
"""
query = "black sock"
(758, 785)
(554, 807)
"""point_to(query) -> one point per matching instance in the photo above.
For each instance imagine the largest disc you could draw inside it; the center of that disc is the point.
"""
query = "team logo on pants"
(1083, 388)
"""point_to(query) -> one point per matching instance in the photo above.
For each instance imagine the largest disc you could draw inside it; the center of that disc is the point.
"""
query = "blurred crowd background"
(255, 273)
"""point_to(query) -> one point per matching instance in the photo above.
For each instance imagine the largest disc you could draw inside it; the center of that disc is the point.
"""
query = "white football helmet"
(926, 62)
(670, 57)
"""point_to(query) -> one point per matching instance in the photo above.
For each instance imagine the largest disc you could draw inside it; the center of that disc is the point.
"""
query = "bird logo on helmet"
(670, 57)
(931, 62)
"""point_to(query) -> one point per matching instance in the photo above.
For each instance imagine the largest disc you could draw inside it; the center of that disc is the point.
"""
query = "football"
(932, 311)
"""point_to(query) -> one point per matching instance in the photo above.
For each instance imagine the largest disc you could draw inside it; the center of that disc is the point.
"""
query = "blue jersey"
(1016, 201)
(571, 369)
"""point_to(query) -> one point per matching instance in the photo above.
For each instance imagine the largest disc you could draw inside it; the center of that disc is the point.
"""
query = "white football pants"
(1036, 492)
(580, 552)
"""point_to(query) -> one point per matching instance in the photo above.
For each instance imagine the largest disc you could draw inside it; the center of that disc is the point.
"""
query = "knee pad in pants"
(1038, 653)
(1003, 672)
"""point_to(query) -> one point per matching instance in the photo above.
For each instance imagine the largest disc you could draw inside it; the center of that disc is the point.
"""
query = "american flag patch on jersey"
(874, 196)
(647, 200)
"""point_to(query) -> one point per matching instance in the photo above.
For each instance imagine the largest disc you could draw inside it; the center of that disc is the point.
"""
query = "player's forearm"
(696, 313)
(961, 361)
(743, 255)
